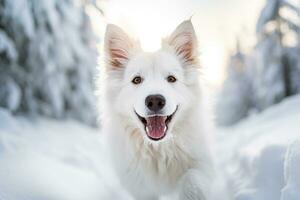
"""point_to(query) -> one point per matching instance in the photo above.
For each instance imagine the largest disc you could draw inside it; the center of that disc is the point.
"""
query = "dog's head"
(152, 90)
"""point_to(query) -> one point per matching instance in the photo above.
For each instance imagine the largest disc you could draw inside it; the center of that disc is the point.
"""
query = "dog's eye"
(171, 79)
(137, 80)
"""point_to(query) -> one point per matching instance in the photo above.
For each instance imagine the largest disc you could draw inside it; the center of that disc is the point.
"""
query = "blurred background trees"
(47, 58)
(270, 72)
(234, 99)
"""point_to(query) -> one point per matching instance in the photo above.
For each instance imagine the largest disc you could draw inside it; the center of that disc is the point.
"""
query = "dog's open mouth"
(156, 126)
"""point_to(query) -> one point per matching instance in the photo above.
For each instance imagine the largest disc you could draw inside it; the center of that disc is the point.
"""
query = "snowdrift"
(51, 160)
(261, 154)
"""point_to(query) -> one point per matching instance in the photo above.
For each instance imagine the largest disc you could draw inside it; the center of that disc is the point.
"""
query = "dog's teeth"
(147, 129)
(165, 129)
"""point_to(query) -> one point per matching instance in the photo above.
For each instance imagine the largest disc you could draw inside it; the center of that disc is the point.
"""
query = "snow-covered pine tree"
(272, 69)
(269, 80)
(234, 99)
(292, 53)
(275, 66)
(47, 58)
(267, 73)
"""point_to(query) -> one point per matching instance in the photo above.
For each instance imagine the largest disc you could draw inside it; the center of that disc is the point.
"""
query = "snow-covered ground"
(261, 155)
(63, 160)
(50, 160)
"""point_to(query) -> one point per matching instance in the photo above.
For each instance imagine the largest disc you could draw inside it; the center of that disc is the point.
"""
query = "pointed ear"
(183, 40)
(117, 46)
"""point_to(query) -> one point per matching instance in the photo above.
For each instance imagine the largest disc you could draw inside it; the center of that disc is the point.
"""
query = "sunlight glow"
(215, 24)
(211, 59)
(141, 19)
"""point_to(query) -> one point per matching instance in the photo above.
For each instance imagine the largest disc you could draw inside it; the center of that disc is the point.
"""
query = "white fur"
(180, 162)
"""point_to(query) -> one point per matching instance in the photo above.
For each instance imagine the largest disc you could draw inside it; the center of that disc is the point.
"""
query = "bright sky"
(217, 22)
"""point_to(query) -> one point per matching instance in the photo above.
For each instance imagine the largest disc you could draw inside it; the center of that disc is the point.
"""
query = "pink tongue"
(156, 126)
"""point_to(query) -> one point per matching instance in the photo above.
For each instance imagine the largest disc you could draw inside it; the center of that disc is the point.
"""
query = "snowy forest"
(51, 143)
(270, 72)
(47, 59)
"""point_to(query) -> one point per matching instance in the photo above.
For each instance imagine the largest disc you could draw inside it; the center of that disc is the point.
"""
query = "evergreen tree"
(275, 67)
(234, 99)
(47, 59)
(271, 72)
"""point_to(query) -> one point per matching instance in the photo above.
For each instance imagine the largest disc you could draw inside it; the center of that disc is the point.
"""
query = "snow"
(292, 174)
(7, 46)
(257, 164)
(65, 160)
(47, 159)
(9, 93)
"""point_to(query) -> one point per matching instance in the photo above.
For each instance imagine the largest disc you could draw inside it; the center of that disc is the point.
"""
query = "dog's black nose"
(155, 102)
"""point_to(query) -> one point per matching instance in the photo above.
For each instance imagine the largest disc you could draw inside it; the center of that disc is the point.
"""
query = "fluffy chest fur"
(168, 161)
(155, 166)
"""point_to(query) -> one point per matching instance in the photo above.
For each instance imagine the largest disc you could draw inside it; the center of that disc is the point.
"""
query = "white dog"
(154, 118)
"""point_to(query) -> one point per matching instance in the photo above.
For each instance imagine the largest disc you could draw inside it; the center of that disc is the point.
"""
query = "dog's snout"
(155, 102)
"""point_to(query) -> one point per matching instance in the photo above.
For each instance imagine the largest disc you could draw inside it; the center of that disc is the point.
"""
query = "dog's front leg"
(194, 185)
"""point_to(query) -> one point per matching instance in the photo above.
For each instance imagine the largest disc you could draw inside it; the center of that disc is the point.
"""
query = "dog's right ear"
(183, 40)
(117, 46)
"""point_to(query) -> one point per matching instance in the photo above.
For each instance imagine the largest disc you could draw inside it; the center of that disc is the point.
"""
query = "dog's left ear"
(184, 41)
